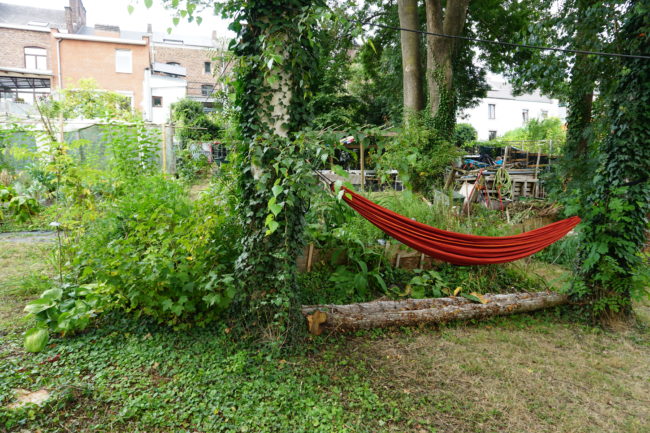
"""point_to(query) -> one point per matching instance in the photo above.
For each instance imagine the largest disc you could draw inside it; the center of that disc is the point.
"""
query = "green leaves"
(36, 339)
(148, 3)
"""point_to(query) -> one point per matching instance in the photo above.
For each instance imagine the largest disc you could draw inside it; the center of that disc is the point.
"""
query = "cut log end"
(314, 322)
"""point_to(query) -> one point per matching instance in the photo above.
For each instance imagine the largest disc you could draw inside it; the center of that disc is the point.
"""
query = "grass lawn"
(530, 373)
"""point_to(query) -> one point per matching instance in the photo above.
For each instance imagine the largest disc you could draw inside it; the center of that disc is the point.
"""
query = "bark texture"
(411, 59)
(449, 20)
(411, 312)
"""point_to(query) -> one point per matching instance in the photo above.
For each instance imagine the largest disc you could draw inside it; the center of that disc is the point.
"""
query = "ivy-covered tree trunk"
(273, 79)
(411, 60)
(449, 20)
(615, 222)
(581, 91)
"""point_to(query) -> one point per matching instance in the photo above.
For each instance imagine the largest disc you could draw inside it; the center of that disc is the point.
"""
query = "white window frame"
(492, 111)
(35, 58)
(123, 61)
(525, 115)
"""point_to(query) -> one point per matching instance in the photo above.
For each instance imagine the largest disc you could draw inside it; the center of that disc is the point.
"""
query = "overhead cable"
(509, 44)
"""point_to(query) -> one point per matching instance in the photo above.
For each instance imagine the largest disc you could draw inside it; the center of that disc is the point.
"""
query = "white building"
(164, 85)
(500, 111)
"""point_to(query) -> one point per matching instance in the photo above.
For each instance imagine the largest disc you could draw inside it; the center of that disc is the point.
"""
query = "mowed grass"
(23, 266)
(527, 373)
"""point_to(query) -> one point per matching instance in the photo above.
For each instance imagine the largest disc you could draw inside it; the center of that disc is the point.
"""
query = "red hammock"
(458, 248)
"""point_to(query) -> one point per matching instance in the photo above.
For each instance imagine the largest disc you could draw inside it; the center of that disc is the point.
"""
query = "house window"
(524, 115)
(493, 135)
(173, 63)
(544, 114)
(35, 58)
(206, 89)
(207, 67)
(123, 61)
(492, 111)
(156, 101)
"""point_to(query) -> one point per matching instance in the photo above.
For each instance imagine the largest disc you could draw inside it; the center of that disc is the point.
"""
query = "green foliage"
(64, 309)
(85, 100)
(361, 274)
(160, 254)
(612, 269)
(199, 379)
(192, 123)
(535, 130)
(419, 155)
(23, 208)
(464, 135)
(133, 148)
(36, 339)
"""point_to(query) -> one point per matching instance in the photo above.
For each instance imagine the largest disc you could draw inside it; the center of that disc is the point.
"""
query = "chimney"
(75, 16)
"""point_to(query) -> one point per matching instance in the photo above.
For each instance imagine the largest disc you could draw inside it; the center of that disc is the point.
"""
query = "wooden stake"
(362, 162)
(164, 148)
(310, 256)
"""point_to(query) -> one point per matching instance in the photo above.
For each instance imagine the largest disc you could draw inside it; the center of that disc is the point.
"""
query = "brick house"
(26, 53)
(45, 49)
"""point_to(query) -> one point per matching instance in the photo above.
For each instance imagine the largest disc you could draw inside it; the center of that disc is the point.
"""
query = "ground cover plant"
(131, 374)
(184, 307)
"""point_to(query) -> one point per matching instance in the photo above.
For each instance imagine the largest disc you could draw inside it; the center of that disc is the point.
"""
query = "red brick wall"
(192, 59)
(90, 59)
(13, 43)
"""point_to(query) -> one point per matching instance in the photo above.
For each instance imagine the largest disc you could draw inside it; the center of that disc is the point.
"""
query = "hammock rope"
(458, 248)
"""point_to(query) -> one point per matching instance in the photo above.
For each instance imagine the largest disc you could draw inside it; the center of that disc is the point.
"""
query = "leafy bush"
(464, 135)
(162, 255)
(419, 155)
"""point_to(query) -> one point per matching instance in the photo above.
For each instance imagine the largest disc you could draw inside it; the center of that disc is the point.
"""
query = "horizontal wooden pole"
(411, 312)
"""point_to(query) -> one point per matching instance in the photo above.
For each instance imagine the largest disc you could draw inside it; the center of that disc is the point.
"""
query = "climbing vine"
(274, 47)
(612, 268)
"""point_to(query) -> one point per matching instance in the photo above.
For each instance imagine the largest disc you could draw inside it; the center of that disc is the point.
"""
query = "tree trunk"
(411, 63)
(581, 96)
(440, 54)
(411, 312)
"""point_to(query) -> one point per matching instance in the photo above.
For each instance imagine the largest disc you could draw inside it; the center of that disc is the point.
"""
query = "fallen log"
(409, 312)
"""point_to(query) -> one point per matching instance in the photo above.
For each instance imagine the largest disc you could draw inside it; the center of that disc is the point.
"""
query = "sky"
(115, 12)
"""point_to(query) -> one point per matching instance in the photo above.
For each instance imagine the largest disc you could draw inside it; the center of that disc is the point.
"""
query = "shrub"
(161, 254)
(464, 135)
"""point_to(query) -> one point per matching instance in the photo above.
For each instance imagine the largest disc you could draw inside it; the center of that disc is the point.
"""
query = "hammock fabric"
(458, 248)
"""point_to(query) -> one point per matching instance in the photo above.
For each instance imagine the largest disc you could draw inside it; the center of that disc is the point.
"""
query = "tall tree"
(411, 59)
(448, 18)
(581, 25)
(615, 217)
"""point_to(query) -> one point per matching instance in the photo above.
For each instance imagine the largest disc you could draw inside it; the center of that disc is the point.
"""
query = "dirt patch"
(27, 237)
(511, 378)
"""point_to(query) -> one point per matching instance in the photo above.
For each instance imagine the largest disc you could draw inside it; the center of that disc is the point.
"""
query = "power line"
(509, 44)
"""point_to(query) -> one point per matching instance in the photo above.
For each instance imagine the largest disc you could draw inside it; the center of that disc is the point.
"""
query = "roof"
(182, 40)
(501, 89)
(37, 17)
(156, 37)
(165, 68)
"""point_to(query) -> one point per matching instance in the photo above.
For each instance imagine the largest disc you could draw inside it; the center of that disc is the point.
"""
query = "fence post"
(164, 148)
